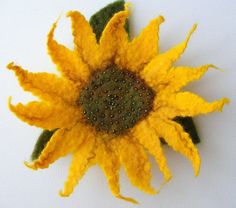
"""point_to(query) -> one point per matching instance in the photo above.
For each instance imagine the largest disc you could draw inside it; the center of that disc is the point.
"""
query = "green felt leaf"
(189, 126)
(98, 22)
(42, 141)
(100, 19)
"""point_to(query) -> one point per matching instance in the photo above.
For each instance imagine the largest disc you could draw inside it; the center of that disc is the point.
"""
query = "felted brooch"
(116, 100)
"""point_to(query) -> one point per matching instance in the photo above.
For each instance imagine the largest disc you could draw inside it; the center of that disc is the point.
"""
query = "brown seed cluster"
(114, 100)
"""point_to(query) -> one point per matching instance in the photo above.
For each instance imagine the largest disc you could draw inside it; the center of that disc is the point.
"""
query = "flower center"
(114, 100)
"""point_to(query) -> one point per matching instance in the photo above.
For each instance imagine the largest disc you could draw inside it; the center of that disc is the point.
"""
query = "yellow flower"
(114, 101)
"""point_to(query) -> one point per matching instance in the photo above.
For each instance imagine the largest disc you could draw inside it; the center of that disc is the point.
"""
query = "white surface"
(24, 25)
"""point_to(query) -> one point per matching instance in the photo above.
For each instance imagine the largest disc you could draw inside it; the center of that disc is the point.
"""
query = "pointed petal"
(136, 164)
(85, 40)
(186, 104)
(68, 62)
(46, 86)
(178, 139)
(156, 70)
(178, 77)
(108, 160)
(63, 142)
(113, 37)
(147, 136)
(142, 49)
(46, 116)
(80, 164)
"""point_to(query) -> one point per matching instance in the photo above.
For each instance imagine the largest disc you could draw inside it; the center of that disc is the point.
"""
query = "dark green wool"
(100, 19)
(189, 127)
(98, 22)
(114, 100)
(43, 139)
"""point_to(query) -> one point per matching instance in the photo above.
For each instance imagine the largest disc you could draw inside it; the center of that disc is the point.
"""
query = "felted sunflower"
(114, 101)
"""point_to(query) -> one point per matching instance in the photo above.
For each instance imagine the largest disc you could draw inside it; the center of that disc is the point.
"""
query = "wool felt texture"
(43, 139)
(98, 22)
(87, 80)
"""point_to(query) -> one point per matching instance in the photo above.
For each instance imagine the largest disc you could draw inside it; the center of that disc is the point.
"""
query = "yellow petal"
(135, 54)
(80, 163)
(186, 104)
(147, 136)
(107, 159)
(63, 142)
(178, 139)
(68, 62)
(46, 116)
(178, 77)
(46, 86)
(85, 40)
(113, 37)
(136, 164)
(156, 70)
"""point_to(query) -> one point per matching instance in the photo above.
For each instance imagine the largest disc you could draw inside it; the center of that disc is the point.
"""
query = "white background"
(24, 25)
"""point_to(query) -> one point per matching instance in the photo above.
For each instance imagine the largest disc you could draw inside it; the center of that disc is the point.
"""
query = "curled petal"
(178, 139)
(63, 142)
(113, 37)
(147, 136)
(69, 63)
(178, 77)
(46, 116)
(108, 160)
(85, 40)
(155, 72)
(136, 164)
(46, 86)
(186, 104)
(135, 54)
(81, 161)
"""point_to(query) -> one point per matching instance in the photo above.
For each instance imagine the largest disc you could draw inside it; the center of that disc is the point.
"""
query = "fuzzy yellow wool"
(58, 107)
(135, 54)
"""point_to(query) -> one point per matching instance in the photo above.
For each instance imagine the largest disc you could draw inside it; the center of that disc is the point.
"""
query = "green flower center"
(114, 100)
